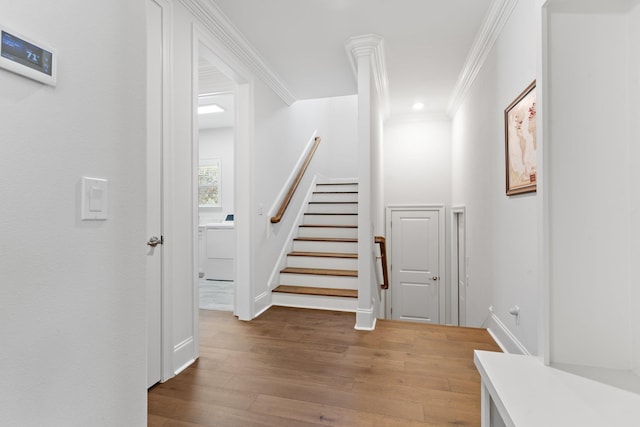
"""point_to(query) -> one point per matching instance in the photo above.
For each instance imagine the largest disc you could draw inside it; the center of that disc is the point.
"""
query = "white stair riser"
(322, 262)
(331, 219)
(332, 208)
(351, 233)
(319, 246)
(334, 197)
(337, 187)
(319, 281)
(315, 301)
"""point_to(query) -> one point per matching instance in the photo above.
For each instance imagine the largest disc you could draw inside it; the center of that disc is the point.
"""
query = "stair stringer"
(288, 244)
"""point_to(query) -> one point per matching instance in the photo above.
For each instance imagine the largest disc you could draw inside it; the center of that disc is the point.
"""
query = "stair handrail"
(380, 240)
(294, 185)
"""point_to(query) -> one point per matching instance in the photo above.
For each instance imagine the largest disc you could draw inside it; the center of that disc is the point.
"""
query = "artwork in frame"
(209, 183)
(521, 142)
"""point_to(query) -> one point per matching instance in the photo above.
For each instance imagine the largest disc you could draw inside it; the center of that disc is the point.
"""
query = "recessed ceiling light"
(418, 106)
(209, 109)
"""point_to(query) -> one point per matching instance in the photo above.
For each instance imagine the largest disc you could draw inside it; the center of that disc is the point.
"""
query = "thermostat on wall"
(27, 57)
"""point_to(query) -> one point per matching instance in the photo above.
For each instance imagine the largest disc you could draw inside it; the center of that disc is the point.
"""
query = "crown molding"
(231, 38)
(373, 46)
(497, 16)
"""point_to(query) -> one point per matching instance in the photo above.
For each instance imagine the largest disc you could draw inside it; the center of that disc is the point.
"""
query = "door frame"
(458, 213)
(442, 288)
(243, 173)
(166, 347)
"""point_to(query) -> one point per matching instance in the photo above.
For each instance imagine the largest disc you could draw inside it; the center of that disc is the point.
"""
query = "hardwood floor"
(296, 367)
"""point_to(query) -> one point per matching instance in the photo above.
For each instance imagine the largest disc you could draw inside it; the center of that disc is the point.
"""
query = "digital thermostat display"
(27, 57)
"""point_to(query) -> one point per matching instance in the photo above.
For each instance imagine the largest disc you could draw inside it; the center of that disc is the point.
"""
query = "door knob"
(155, 241)
(435, 278)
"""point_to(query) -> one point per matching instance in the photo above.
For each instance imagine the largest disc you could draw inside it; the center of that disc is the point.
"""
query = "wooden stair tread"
(307, 290)
(324, 254)
(333, 203)
(320, 271)
(327, 226)
(335, 192)
(327, 239)
(329, 213)
(337, 183)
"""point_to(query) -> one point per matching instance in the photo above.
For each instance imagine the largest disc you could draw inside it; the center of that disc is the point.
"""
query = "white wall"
(72, 293)
(417, 170)
(634, 153)
(417, 162)
(281, 134)
(591, 171)
(501, 230)
(218, 143)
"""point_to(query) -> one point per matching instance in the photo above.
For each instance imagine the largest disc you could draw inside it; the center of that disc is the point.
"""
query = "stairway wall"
(281, 135)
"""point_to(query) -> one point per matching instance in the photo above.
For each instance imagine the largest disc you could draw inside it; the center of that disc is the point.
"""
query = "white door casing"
(459, 263)
(155, 139)
(417, 263)
(227, 62)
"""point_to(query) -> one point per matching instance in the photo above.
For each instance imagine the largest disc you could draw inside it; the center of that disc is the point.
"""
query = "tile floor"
(216, 295)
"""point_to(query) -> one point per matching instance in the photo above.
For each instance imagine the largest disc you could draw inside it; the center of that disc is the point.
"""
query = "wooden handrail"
(383, 258)
(283, 207)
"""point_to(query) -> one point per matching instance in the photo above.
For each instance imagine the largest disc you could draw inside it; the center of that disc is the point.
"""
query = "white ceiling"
(214, 88)
(303, 42)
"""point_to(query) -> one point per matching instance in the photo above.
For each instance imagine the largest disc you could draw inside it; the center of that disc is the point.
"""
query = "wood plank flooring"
(296, 367)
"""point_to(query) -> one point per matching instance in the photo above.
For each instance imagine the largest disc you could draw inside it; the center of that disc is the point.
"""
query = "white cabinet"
(221, 249)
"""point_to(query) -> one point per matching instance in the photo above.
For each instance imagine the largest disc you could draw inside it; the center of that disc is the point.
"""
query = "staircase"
(322, 268)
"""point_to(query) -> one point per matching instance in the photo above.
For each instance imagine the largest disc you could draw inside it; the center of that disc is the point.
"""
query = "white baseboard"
(183, 355)
(365, 320)
(503, 336)
(262, 303)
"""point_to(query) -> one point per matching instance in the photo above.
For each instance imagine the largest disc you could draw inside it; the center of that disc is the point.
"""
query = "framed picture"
(209, 183)
(521, 142)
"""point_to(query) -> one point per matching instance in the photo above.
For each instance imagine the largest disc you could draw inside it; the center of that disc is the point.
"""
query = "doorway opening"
(216, 160)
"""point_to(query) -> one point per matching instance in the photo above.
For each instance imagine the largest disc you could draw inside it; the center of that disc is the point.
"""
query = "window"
(209, 183)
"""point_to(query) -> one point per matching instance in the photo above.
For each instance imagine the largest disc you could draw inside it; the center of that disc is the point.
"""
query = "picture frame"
(209, 183)
(521, 143)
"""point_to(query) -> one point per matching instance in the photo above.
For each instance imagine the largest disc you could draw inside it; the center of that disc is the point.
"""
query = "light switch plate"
(94, 199)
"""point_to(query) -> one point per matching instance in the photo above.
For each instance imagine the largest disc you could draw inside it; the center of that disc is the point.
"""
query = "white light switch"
(94, 199)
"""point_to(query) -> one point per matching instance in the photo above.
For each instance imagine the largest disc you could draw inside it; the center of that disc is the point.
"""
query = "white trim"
(365, 320)
(371, 45)
(167, 351)
(183, 352)
(195, 208)
(455, 279)
(262, 303)
(503, 336)
(183, 367)
(292, 176)
(494, 21)
(544, 252)
(442, 289)
(217, 23)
